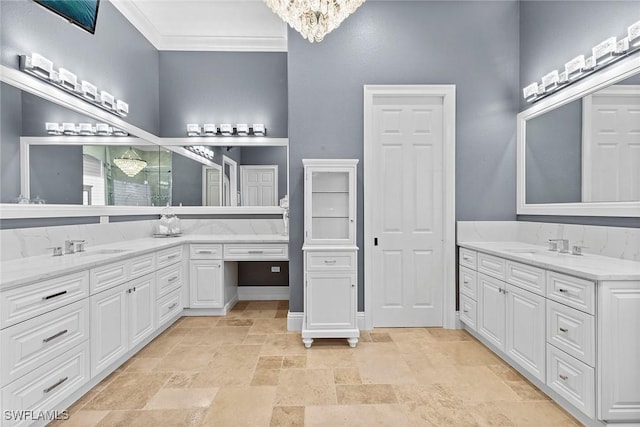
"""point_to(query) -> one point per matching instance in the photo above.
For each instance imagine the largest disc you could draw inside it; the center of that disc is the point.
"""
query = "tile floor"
(245, 369)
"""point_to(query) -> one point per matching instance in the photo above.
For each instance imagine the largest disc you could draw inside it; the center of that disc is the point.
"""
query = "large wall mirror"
(76, 175)
(579, 150)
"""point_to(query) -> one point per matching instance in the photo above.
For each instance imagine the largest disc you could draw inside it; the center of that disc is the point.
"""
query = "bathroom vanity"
(569, 323)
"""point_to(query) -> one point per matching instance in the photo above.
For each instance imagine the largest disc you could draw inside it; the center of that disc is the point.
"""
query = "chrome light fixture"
(242, 129)
(259, 129)
(130, 163)
(314, 19)
(226, 129)
(209, 129)
(633, 32)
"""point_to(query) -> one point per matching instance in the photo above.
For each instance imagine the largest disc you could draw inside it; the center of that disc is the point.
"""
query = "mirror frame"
(616, 72)
(27, 83)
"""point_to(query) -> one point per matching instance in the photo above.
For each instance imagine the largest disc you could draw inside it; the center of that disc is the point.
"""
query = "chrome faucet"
(564, 245)
(68, 247)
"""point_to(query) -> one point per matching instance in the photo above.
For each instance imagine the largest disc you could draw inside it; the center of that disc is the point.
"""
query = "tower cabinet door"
(526, 330)
(331, 300)
(142, 303)
(108, 327)
(206, 285)
(491, 310)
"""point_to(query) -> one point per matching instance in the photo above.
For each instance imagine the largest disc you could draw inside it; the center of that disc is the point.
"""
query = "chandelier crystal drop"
(314, 19)
(130, 163)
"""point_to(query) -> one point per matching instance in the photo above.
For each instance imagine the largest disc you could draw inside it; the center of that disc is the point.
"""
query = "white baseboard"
(188, 312)
(295, 318)
(263, 293)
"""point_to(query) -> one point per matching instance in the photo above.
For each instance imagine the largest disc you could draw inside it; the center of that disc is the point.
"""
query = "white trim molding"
(263, 293)
(448, 94)
(615, 73)
(138, 19)
(296, 318)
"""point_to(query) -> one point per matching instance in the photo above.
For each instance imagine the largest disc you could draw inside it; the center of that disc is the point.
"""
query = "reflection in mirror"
(587, 150)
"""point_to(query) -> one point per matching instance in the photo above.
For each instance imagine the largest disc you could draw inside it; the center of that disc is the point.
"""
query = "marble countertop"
(18, 272)
(588, 266)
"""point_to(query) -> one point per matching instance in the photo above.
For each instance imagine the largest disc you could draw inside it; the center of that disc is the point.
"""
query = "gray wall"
(37, 111)
(553, 32)
(223, 87)
(186, 181)
(117, 58)
(554, 156)
(10, 131)
(268, 156)
(52, 178)
(473, 45)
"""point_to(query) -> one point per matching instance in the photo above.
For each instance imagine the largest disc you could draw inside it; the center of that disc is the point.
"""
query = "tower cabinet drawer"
(572, 331)
(30, 344)
(46, 387)
(324, 261)
(169, 256)
(25, 302)
(205, 251)
(492, 266)
(256, 251)
(468, 282)
(468, 311)
(527, 277)
(468, 258)
(108, 276)
(168, 307)
(169, 278)
(571, 379)
(572, 291)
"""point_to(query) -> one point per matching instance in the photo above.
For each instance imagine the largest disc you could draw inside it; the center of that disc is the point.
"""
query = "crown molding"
(133, 14)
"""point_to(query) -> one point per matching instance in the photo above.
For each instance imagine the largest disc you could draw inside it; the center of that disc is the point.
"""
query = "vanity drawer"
(468, 311)
(30, 344)
(572, 331)
(28, 301)
(571, 379)
(468, 258)
(108, 276)
(168, 307)
(46, 387)
(492, 266)
(324, 261)
(468, 280)
(572, 291)
(256, 251)
(169, 256)
(142, 265)
(169, 278)
(205, 251)
(527, 277)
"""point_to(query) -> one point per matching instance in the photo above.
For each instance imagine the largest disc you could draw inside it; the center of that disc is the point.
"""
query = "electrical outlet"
(275, 269)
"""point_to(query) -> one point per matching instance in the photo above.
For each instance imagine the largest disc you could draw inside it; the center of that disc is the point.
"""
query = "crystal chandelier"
(130, 163)
(314, 19)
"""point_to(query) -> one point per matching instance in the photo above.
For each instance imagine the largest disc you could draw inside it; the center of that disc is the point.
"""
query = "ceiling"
(207, 25)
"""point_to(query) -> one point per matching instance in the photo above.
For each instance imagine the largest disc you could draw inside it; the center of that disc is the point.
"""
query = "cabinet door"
(330, 205)
(618, 364)
(205, 281)
(526, 330)
(331, 300)
(491, 309)
(142, 302)
(108, 327)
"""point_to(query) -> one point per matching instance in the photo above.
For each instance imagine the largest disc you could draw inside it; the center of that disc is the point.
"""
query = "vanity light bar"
(604, 53)
(201, 150)
(83, 129)
(226, 129)
(42, 68)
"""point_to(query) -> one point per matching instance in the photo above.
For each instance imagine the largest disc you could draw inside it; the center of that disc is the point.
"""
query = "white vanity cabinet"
(206, 279)
(577, 339)
(330, 252)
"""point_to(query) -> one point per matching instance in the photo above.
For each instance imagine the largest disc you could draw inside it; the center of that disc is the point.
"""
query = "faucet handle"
(553, 244)
(57, 250)
(78, 245)
(577, 249)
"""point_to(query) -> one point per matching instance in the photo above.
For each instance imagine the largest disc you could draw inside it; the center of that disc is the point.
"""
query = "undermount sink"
(522, 251)
(103, 252)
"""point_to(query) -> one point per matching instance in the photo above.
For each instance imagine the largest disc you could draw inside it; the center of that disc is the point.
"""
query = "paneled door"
(405, 139)
(259, 185)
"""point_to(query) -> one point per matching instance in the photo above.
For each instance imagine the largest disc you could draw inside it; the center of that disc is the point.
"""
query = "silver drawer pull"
(54, 336)
(54, 295)
(48, 389)
(256, 252)
(172, 306)
(564, 291)
(465, 311)
(466, 282)
(467, 258)
(204, 252)
(172, 256)
(563, 377)
(173, 279)
(327, 261)
(564, 330)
